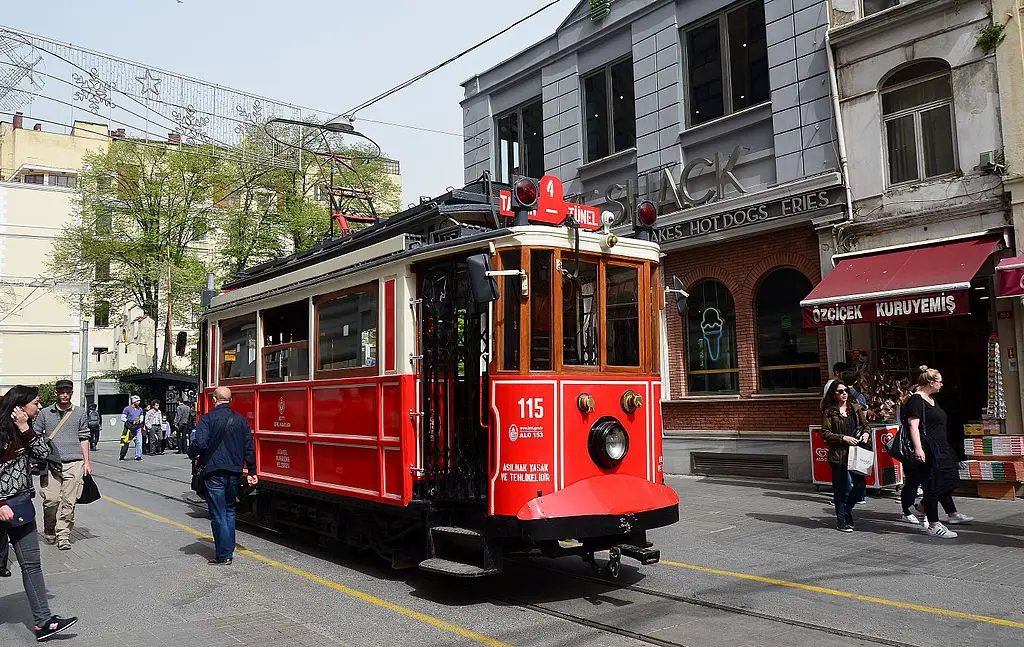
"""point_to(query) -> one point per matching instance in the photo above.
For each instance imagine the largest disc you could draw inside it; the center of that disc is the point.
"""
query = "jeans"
(847, 489)
(25, 541)
(222, 497)
(94, 437)
(156, 440)
(5, 556)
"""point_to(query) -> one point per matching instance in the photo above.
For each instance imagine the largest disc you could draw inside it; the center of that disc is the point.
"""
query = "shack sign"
(552, 207)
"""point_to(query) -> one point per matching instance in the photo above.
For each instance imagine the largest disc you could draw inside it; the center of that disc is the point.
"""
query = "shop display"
(1003, 471)
(996, 407)
(994, 446)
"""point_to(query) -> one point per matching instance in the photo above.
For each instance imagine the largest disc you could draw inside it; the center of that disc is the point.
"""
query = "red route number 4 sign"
(552, 207)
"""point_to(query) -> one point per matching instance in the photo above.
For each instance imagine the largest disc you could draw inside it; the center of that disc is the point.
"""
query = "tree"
(143, 205)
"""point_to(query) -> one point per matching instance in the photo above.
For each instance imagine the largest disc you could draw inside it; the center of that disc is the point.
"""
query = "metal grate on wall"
(769, 466)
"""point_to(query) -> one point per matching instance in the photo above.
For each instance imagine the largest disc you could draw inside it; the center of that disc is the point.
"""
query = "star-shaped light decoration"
(150, 84)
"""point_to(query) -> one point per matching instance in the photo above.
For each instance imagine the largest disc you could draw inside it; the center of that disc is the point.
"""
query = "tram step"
(643, 554)
(455, 569)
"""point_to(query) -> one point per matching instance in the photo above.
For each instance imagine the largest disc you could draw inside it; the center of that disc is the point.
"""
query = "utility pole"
(85, 359)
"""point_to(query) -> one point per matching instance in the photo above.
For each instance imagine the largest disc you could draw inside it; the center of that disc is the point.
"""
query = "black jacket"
(236, 451)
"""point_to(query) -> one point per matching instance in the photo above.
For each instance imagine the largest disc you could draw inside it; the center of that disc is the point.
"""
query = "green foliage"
(47, 393)
(990, 36)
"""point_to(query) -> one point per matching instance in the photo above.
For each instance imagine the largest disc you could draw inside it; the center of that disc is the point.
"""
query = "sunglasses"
(841, 391)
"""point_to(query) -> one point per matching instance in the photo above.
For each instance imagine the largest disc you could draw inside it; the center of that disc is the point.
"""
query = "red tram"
(445, 388)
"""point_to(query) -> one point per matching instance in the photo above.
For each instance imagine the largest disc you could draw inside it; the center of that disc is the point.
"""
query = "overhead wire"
(351, 113)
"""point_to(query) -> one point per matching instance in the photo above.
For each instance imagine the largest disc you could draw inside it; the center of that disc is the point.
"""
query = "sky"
(324, 54)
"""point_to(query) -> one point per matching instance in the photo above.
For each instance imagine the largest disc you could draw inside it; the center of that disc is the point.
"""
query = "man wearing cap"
(132, 417)
(67, 427)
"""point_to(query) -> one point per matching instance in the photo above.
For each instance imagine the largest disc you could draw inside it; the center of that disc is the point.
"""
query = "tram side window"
(286, 342)
(347, 327)
(511, 304)
(238, 348)
(204, 356)
(541, 313)
(622, 315)
(580, 333)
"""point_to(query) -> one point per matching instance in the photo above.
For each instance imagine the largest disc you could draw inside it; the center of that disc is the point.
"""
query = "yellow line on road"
(852, 596)
(365, 597)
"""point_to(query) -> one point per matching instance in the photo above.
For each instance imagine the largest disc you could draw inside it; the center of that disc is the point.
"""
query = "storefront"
(927, 304)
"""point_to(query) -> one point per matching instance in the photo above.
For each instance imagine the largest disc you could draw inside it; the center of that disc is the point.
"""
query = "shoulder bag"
(199, 471)
(24, 511)
(52, 460)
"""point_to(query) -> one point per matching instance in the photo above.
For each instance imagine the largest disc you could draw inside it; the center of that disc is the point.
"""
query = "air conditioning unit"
(990, 161)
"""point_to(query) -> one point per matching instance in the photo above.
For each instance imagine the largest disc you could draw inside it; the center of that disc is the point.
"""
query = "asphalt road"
(747, 565)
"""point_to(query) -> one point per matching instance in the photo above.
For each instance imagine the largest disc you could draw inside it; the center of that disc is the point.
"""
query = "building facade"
(914, 268)
(721, 112)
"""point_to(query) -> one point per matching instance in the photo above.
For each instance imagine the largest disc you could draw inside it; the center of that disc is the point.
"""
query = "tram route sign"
(552, 207)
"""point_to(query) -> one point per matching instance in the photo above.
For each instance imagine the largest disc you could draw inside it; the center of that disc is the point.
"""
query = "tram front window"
(622, 314)
(510, 312)
(541, 313)
(238, 348)
(580, 333)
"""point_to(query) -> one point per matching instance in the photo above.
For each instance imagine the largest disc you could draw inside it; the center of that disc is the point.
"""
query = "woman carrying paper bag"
(844, 426)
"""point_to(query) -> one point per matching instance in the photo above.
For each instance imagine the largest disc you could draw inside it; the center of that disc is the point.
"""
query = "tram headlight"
(608, 442)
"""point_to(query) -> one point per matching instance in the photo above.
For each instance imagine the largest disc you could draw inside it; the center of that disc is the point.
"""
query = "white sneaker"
(911, 518)
(959, 517)
(940, 531)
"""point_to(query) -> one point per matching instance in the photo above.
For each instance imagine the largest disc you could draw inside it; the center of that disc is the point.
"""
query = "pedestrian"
(67, 428)
(165, 428)
(154, 425)
(19, 442)
(843, 425)
(223, 448)
(936, 465)
(95, 421)
(132, 417)
(5, 555)
(842, 371)
(184, 420)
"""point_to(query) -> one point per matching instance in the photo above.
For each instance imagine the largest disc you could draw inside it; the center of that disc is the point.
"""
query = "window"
(238, 349)
(286, 342)
(69, 181)
(541, 312)
(622, 315)
(610, 109)
(786, 354)
(727, 61)
(104, 222)
(917, 112)
(521, 142)
(711, 340)
(99, 351)
(511, 304)
(34, 179)
(347, 330)
(102, 271)
(874, 6)
(580, 315)
(101, 314)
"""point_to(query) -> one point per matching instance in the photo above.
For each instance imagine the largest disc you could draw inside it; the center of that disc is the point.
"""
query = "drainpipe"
(844, 168)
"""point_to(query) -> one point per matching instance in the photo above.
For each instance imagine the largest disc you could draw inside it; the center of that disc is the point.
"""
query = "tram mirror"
(484, 287)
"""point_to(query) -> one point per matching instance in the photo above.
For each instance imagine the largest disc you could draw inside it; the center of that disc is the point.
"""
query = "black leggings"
(914, 475)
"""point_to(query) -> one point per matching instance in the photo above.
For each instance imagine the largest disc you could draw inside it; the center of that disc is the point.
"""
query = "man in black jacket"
(223, 447)
(184, 418)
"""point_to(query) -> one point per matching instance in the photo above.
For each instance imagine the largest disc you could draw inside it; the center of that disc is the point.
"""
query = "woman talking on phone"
(18, 443)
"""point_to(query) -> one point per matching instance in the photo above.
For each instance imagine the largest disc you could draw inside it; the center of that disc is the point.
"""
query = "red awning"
(1010, 277)
(913, 283)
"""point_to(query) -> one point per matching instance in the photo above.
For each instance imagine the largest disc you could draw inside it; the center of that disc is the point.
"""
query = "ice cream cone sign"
(711, 326)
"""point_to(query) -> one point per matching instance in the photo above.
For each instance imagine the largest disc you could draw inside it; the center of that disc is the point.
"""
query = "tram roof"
(467, 211)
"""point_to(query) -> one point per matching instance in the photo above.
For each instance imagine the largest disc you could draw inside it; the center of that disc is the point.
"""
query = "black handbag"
(24, 511)
(90, 491)
(199, 467)
(901, 445)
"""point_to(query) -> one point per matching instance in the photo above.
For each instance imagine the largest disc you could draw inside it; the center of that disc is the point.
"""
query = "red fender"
(608, 494)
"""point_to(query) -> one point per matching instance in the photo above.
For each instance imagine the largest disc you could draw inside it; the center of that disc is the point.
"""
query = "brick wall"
(740, 266)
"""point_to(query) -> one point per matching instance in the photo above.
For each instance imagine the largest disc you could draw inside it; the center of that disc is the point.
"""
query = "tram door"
(453, 386)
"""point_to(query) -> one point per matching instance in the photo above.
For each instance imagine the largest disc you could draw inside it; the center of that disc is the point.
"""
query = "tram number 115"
(531, 407)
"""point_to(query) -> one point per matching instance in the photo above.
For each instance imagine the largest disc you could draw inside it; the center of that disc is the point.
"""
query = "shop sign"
(923, 306)
(793, 205)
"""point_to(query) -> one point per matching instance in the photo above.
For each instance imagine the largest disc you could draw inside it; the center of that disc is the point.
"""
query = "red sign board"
(1010, 278)
(919, 306)
(552, 207)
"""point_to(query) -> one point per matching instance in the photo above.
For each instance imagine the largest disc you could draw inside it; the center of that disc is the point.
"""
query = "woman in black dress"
(843, 425)
(936, 460)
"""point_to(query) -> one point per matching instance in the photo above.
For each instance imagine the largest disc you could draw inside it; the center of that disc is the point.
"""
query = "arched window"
(711, 340)
(786, 354)
(917, 113)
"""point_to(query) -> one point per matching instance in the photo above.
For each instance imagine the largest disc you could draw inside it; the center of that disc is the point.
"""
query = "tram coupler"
(643, 554)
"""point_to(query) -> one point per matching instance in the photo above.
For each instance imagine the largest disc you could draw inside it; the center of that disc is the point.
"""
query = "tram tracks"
(566, 616)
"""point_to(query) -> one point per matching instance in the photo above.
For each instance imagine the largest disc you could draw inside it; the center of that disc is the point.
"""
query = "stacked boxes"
(1002, 471)
(994, 446)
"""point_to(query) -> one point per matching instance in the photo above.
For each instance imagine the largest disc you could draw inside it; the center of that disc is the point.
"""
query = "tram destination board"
(552, 207)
